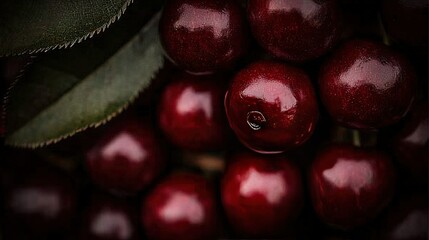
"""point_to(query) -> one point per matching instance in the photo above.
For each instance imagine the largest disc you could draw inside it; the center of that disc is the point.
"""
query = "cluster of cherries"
(305, 105)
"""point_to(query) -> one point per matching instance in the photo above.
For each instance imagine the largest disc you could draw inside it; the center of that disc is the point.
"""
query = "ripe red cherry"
(366, 85)
(182, 207)
(38, 203)
(295, 30)
(406, 220)
(261, 194)
(407, 22)
(271, 107)
(191, 112)
(410, 144)
(109, 218)
(127, 158)
(350, 186)
(203, 36)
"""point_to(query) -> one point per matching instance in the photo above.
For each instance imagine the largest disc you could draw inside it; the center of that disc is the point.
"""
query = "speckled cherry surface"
(366, 85)
(109, 218)
(191, 112)
(410, 144)
(38, 203)
(182, 207)
(295, 30)
(406, 21)
(271, 107)
(261, 194)
(350, 186)
(127, 158)
(407, 219)
(203, 36)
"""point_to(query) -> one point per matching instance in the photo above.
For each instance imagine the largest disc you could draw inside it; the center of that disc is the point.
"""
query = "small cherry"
(261, 194)
(191, 112)
(109, 218)
(38, 202)
(410, 144)
(366, 85)
(350, 186)
(271, 107)
(181, 207)
(203, 36)
(127, 158)
(295, 30)
(407, 219)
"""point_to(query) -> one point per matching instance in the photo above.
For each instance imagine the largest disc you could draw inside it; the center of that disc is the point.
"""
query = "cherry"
(406, 220)
(261, 194)
(271, 107)
(349, 186)
(406, 21)
(366, 85)
(38, 202)
(203, 36)
(410, 144)
(182, 206)
(191, 112)
(295, 30)
(109, 218)
(127, 158)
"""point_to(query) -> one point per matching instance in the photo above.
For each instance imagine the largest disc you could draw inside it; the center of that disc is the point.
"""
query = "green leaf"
(41, 25)
(82, 87)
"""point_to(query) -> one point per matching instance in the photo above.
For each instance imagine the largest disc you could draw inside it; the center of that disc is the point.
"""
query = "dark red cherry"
(271, 107)
(366, 85)
(38, 202)
(127, 158)
(261, 194)
(349, 186)
(406, 220)
(203, 36)
(181, 207)
(191, 112)
(109, 218)
(295, 30)
(410, 144)
(406, 21)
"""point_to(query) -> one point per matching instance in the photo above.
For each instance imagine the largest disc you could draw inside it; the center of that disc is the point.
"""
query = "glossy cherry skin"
(366, 85)
(109, 218)
(349, 186)
(410, 143)
(406, 21)
(271, 107)
(261, 194)
(38, 202)
(203, 36)
(182, 207)
(191, 112)
(295, 30)
(406, 220)
(127, 158)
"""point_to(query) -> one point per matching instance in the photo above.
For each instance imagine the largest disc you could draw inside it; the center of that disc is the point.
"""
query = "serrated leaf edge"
(93, 125)
(78, 40)
(9, 90)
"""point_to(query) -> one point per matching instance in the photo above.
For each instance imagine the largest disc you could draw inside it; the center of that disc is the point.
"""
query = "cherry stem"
(386, 39)
(356, 138)
(205, 161)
